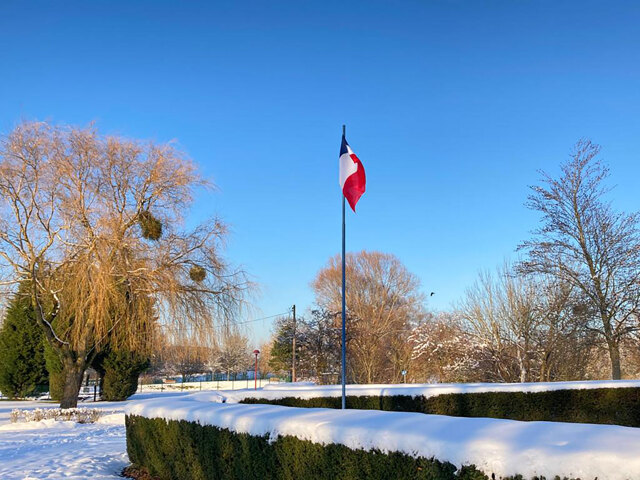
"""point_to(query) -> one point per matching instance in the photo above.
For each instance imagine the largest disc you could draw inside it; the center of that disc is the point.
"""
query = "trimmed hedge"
(181, 450)
(613, 406)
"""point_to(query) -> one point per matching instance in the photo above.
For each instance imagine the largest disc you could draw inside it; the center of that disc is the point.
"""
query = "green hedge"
(615, 406)
(184, 450)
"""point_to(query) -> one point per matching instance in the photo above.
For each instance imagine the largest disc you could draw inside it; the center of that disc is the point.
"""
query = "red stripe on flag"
(355, 184)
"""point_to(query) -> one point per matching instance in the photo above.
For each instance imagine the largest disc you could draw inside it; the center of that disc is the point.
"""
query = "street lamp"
(404, 376)
(255, 374)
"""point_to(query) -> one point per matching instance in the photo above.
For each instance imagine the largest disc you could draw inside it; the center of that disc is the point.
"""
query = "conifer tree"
(56, 372)
(22, 365)
(119, 372)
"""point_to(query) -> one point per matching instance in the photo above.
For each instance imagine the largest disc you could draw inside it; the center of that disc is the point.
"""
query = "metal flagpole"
(344, 307)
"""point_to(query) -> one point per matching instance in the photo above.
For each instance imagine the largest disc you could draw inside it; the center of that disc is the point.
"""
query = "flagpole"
(344, 306)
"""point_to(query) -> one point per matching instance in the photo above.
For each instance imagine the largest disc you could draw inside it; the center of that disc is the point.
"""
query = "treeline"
(566, 310)
(230, 356)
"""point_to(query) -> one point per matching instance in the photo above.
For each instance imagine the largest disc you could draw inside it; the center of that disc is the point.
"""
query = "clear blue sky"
(452, 106)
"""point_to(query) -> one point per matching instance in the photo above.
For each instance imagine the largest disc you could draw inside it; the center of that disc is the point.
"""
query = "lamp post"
(255, 374)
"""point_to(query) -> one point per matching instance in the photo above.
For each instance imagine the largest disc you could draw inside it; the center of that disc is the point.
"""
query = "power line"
(231, 324)
(263, 318)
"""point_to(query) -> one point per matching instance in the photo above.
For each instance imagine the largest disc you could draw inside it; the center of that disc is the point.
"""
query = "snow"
(503, 447)
(309, 390)
(66, 450)
(52, 449)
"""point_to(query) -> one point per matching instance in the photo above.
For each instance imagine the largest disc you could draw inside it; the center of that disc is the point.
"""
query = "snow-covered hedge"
(180, 450)
(194, 436)
(308, 390)
(610, 406)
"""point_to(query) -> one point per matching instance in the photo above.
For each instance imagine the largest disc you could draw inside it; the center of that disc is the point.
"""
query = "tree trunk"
(521, 366)
(73, 373)
(614, 355)
(544, 368)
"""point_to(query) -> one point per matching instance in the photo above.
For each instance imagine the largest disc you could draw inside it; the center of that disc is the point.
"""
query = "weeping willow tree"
(95, 224)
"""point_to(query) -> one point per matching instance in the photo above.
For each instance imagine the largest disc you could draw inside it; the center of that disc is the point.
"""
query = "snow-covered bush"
(617, 406)
(79, 415)
(195, 437)
(183, 450)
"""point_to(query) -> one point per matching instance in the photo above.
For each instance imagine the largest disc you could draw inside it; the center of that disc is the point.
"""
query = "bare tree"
(264, 359)
(499, 312)
(563, 347)
(588, 245)
(529, 326)
(234, 353)
(186, 358)
(94, 224)
(383, 303)
(443, 351)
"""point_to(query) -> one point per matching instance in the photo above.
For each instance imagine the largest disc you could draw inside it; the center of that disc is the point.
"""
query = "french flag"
(352, 177)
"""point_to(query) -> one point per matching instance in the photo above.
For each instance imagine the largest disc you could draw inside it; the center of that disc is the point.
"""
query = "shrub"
(615, 406)
(22, 364)
(80, 415)
(119, 372)
(190, 451)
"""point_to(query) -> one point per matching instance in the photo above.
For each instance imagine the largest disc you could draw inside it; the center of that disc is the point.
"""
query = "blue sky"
(452, 106)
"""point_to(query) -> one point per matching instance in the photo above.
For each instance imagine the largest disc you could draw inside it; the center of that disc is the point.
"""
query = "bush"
(119, 372)
(56, 373)
(190, 451)
(614, 406)
(79, 415)
(22, 364)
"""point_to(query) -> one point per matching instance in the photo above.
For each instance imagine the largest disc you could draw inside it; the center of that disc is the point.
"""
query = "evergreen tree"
(317, 346)
(22, 365)
(282, 345)
(119, 371)
(56, 372)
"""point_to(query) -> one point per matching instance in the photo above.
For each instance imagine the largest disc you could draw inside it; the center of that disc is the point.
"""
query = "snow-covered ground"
(65, 450)
(52, 449)
(503, 447)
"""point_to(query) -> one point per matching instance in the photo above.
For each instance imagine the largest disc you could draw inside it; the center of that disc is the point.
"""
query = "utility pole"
(293, 342)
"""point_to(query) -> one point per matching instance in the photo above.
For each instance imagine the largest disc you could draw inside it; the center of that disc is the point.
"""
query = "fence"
(205, 385)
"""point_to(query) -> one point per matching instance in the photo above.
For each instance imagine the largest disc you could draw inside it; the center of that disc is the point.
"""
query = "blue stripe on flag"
(343, 147)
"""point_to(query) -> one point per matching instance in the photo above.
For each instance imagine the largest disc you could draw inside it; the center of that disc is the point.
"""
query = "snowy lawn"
(66, 450)
(52, 449)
